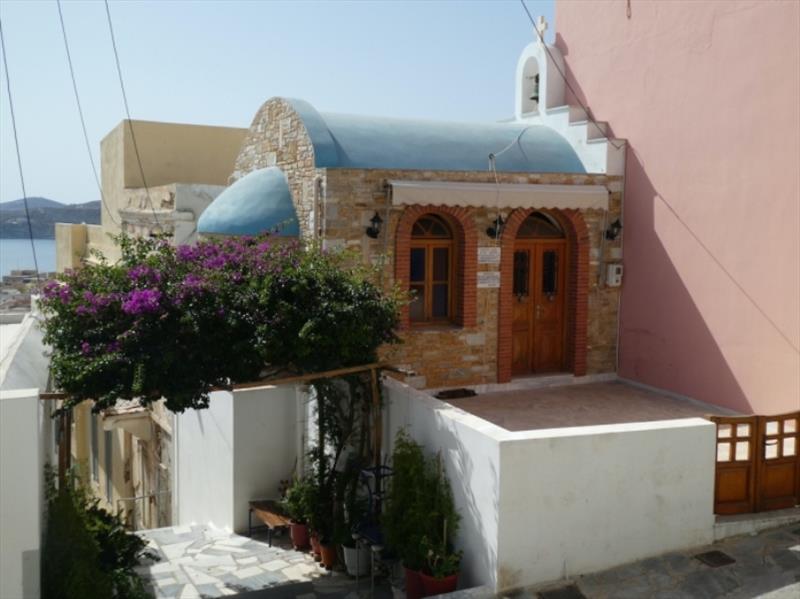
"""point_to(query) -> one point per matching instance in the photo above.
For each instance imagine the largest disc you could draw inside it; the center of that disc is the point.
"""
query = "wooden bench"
(270, 513)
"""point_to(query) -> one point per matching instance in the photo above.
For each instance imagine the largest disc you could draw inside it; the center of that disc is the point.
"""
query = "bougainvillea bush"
(174, 322)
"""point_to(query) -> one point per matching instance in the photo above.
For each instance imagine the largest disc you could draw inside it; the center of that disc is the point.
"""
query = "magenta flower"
(142, 301)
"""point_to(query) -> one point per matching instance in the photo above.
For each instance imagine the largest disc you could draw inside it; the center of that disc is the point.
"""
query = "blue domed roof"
(257, 203)
(367, 142)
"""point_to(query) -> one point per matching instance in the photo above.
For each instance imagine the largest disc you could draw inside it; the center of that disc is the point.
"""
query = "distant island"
(45, 213)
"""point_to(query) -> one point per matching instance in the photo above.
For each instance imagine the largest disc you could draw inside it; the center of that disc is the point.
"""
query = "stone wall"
(451, 356)
(346, 201)
(277, 137)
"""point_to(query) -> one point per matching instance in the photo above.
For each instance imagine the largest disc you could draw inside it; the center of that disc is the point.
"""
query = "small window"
(550, 272)
(108, 439)
(540, 226)
(95, 462)
(432, 266)
(521, 272)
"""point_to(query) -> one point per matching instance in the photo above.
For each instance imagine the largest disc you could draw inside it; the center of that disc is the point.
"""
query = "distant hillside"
(32, 203)
(45, 213)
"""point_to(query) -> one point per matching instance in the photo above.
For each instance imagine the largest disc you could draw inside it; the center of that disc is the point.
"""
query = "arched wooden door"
(539, 289)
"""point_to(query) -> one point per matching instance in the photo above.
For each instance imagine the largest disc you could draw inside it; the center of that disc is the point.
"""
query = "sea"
(17, 254)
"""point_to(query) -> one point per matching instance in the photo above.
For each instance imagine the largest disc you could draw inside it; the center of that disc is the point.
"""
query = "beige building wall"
(170, 153)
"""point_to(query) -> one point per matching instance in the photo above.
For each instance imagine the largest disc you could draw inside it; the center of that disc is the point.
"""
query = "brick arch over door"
(578, 292)
(466, 255)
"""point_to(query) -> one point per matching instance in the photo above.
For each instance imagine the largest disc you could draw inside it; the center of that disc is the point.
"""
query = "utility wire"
(80, 114)
(19, 157)
(128, 113)
(566, 81)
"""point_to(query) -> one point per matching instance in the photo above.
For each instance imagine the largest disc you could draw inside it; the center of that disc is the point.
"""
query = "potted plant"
(356, 556)
(441, 573)
(296, 502)
(405, 518)
(324, 526)
(420, 516)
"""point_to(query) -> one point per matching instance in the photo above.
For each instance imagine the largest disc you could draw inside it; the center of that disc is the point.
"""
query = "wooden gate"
(758, 463)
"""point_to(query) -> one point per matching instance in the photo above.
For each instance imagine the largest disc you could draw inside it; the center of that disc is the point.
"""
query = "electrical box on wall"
(614, 275)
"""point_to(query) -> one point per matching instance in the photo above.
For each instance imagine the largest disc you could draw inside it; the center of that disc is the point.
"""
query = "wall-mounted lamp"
(374, 228)
(613, 230)
(497, 227)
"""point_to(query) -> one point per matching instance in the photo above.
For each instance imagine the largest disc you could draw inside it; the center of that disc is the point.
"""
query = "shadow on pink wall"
(647, 356)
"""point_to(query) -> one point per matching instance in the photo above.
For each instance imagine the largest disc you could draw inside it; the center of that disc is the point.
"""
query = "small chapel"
(507, 235)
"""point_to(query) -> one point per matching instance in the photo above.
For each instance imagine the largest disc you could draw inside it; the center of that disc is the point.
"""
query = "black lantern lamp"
(374, 228)
(497, 227)
(613, 230)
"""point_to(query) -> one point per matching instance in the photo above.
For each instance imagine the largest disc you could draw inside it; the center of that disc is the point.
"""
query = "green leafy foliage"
(87, 553)
(299, 499)
(420, 518)
(174, 322)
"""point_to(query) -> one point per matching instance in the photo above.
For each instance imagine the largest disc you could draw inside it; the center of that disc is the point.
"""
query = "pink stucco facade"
(707, 93)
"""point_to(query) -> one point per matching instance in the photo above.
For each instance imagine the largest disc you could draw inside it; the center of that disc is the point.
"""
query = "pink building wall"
(707, 94)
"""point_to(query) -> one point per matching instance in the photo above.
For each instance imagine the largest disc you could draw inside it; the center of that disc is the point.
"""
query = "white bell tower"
(539, 86)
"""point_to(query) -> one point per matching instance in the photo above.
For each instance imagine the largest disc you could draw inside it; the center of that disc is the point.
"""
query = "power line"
(80, 114)
(19, 157)
(566, 81)
(128, 113)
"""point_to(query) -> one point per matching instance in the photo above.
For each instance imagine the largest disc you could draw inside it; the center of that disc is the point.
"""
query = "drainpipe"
(320, 203)
(621, 251)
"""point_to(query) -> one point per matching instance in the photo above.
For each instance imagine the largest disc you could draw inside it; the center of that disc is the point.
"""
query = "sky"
(215, 63)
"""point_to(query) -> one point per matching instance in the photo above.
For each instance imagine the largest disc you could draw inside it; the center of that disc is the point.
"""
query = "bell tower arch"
(539, 85)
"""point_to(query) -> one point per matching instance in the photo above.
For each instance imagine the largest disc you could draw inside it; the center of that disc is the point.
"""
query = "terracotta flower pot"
(437, 586)
(315, 547)
(299, 534)
(328, 555)
(413, 584)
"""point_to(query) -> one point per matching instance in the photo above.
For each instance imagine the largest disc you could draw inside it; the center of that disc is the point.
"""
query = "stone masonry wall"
(277, 137)
(445, 357)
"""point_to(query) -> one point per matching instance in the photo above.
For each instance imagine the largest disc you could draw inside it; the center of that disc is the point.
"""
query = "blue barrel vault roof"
(258, 202)
(368, 142)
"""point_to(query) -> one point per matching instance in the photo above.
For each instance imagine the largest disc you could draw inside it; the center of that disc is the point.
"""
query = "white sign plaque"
(489, 255)
(489, 278)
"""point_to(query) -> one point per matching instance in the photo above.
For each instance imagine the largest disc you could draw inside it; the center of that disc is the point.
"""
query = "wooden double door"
(757, 463)
(539, 307)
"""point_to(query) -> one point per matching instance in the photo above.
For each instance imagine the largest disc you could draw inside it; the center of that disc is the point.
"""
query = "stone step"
(750, 524)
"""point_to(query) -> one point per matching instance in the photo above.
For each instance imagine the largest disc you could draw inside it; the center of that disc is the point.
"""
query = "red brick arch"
(467, 258)
(578, 292)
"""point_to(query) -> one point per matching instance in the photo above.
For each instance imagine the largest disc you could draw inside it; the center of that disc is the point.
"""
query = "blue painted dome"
(257, 203)
(366, 142)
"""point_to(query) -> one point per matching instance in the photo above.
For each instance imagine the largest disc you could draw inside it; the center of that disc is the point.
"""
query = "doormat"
(569, 592)
(455, 393)
(715, 559)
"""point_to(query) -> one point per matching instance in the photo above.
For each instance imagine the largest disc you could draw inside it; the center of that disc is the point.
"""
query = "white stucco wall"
(235, 451)
(24, 446)
(265, 447)
(538, 506)
(580, 500)
(472, 462)
(203, 441)
(23, 360)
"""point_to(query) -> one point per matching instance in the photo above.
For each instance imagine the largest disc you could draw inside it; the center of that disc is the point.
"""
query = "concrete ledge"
(750, 524)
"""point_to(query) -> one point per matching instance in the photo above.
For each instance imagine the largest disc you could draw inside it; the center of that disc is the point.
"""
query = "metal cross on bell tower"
(541, 27)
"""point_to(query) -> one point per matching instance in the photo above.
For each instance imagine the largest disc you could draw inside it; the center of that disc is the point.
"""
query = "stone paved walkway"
(767, 566)
(198, 562)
